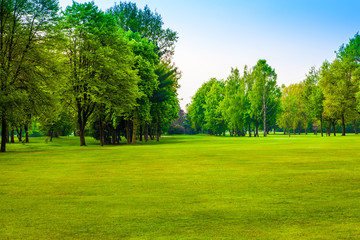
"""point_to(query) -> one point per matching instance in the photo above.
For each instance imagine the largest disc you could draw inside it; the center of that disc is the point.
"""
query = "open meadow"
(185, 187)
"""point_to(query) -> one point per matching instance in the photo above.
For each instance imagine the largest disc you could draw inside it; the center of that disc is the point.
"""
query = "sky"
(216, 35)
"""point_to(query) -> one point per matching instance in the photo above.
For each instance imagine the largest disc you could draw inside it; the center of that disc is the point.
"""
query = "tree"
(265, 94)
(99, 63)
(289, 111)
(314, 98)
(339, 88)
(23, 34)
(146, 61)
(196, 110)
(215, 122)
(165, 104)
(233, 105)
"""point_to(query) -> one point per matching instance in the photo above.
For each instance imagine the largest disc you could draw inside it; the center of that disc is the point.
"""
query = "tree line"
(106, 73)
(328, 97)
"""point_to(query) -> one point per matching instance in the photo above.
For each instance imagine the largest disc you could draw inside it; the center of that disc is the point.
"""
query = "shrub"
(176, 129)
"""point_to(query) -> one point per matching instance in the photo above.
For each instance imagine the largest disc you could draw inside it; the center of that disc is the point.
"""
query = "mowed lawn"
(185, 187)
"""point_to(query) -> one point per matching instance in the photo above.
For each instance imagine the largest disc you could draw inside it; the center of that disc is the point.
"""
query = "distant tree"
(249, 83)
(196, 110)
(351, 51)
(289, 111)
(233, 106)
(339, 88)
(314, 98)
(265, 94)
(215, 122)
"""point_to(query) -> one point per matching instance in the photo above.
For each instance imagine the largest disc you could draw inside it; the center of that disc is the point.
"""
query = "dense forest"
(108, 74)
(326, 100)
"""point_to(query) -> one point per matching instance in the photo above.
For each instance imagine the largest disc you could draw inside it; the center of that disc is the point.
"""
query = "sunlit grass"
(185, 187)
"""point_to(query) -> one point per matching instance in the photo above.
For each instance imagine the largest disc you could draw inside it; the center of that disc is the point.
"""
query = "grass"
(186, 187)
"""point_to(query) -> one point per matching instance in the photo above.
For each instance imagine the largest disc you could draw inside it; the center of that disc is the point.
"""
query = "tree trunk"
(158, 131)
(265, 130)
(19, 134)
(12, 139)
(134, 129)
(329, 129)
(7, 134)
(113, 135)
(306, 131)
(146, 132)
(355, 130)
(81, 122)
(249, 130)
(26, 133)
(257, 130)
(343, 124)
(289, 131)
(333, 123)
(3, 132)
(321, 126)
(141, 132)
(128, 131)
(264, 108)
(151, 133)
(51, 135)
(101, 132)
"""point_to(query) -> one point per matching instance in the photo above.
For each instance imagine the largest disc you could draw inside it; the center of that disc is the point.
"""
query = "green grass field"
(185, 187)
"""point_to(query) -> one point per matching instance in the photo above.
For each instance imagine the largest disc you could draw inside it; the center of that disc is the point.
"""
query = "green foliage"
(196, 110)
(339, 87)
(148, 24)
(176, 129)
(291, 116)
(25, 36)
(234, 103)
(265, 94)
(99, 64)
(214, 121)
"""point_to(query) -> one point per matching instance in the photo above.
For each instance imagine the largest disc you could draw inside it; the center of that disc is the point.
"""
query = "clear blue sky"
(216, 35)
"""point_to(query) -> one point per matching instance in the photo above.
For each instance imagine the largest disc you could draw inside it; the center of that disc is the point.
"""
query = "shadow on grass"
(43, 145)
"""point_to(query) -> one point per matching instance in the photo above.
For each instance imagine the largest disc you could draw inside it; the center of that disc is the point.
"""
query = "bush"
(176, 129)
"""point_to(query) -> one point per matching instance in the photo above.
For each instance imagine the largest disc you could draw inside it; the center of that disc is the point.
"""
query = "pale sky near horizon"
(216, 35)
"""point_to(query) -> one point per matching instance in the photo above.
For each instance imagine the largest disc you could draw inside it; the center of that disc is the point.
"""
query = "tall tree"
(99, 61)
(215, 122)
(339, 88)
(146, 61)
(196, 110)
(165, 104)
(289, 111)
(265, 94)
(23, 32)
(234, 104)
(314, 98)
